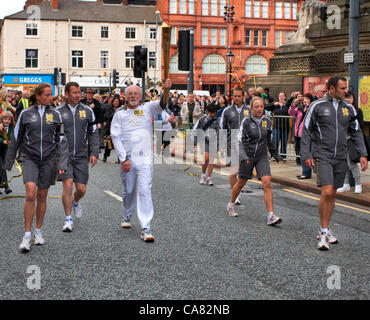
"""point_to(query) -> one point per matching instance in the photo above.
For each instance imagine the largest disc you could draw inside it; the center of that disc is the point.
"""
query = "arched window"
(213, 63)
(174, 65)
(256, 65)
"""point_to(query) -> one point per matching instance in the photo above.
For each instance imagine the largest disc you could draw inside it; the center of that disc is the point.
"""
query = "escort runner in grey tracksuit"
(255, 138)
(79, 128)
(206, 133)
(39, 128)
(327, 123)
(231, 119)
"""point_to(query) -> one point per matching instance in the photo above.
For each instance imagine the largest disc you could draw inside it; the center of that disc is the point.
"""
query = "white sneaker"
(126, 224)
(77, 210)
(346, 187)
(68, 226)
(25, 245)
(323, 245)
(202, 180)
(330, 237)
(237, 201)
(358, 188)
(273, 219)
(209, 181)
(38, 240)
(231, 210)
(147, 236)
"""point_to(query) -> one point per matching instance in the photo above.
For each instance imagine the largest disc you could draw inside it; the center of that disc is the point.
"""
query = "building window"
(278, 39)
(191, 7)
(222, 7)
(256, 38)
(248, 9)
(130, 33)
(256, 65)
(205, 7)
(265, 9)
(214, 64)
(205, 36)
(32, 58)
(174, 65)
(295, 9)
(264, 38)
(222, 37)
(256, 9)
(279, 10)
(287, 35)
(77, 31)
(173, 6)
(173, 35)
(104, 32)
(77, 59)
(213, 8)
(104, 59)
(213, 37)
(152, 33)
(287, 11)
(152, 60)
(32, 29)
(129, 60)
(182, 7)
(247, 38)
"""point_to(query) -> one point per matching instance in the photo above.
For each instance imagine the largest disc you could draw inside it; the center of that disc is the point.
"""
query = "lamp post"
(157, 13)
(228, 17)
(230, 61)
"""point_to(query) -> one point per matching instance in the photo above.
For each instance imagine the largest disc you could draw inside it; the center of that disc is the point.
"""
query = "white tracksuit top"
(131, 132)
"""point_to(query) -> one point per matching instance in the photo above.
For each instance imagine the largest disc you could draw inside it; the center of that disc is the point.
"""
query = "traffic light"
(115, 78)
(63, 80)
(183, 48)
(141, 61)
(57, 76)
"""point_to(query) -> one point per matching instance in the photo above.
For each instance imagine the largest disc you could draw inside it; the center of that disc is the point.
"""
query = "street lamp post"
(156, 51)
(229, 17)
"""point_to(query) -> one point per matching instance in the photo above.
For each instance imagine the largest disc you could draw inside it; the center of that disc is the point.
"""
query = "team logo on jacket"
(345, 112)
(264, 124)
(49, 117)
(246, 113)
(138, 112)
(82, 114)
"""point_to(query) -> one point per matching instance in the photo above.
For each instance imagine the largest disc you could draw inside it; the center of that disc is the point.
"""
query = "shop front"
(26, 81)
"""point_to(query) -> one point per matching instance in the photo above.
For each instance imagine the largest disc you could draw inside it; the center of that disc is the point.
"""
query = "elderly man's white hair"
(133, 85)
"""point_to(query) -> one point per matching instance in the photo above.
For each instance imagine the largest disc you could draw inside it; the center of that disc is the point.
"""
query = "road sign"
(348, 57)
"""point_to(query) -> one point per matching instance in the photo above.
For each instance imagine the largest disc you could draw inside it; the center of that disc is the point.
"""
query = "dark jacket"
(281, 114)
(328, 129)
(98, 110)
(255, 138)
(79, 129)
(40, 137)
(4, 147)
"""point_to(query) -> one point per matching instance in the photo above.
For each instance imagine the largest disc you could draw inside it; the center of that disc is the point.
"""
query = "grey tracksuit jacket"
(328, 128)
(80, 128)
(255, 137)
(232, 119)
(202, 123)
(41, 137)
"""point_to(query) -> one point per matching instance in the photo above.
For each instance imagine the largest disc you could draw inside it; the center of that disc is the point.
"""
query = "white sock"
(204, 175)
(37, 230)
(68, 218)
(231, 203)
(27, 235)
(271, 213)
(324, 230)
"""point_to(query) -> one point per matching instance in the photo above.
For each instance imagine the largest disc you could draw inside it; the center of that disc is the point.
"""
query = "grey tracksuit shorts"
(42, 173)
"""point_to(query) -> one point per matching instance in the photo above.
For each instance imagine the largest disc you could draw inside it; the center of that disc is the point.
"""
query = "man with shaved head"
(131, 132)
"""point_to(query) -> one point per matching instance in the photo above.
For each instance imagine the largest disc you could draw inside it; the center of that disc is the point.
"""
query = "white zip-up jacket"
(131, 132)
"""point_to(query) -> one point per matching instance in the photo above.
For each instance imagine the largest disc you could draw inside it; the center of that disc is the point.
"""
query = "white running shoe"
(323, 244)
(203, 180)
(77, 210)
(237, 201)
(231, 210)
(68, 226)
(331, 239)
(38, 240)
(273, 219)
(346, 187)
(126, 224)
(209, 181)
(25, 245)
(147, 236)
(358, 188)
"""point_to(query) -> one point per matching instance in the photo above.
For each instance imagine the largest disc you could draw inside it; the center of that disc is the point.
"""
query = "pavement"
(285, 173)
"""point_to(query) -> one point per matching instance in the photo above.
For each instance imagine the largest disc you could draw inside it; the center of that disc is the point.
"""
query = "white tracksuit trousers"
(137, 193)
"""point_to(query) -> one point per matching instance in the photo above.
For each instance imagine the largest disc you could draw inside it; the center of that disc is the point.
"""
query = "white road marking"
(113, 195)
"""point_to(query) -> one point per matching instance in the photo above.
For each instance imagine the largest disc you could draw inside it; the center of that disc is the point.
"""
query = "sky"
(8, 7)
